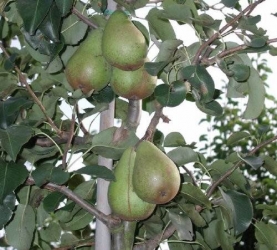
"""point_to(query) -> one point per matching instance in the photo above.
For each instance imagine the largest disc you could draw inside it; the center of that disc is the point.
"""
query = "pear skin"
(156, 178)
(123, 201)
(87, 69)
(137, 84)
(123, 45)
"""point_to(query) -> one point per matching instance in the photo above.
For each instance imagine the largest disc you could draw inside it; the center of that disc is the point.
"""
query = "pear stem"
(134, 114)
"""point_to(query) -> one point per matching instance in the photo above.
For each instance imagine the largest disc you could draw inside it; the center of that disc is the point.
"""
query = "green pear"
(123, 201)
(123, 45)
(156, 178)
(137, 84)
(87, 69)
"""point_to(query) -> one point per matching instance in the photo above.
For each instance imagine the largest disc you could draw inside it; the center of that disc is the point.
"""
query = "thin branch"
(191, 175)
(83, 18)
(153, 123)
(81, 125)
(249, 8)
(46, 142)
(212, 188)
(155, 241)
(24, 82)
(69, 140)
(109, 220)
(134, 114)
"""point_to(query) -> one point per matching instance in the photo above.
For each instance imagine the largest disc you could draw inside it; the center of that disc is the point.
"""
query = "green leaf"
(237, 136)
(167, 50)
(240, 209)
(64, 6)
(195, 195)
(50, 26)
(270, 164)
(183, 155)
(266, 234)
(11, 176)
(210, 108)
(33, 12)
(193, 214)
(112, 142)
(268, 210)
(174, 139)
(68, 239)
(171, 95)
(178, 11)
(201, 81)
(256, 41)
(20, 231)
(81, 219)
(179, 220)
(97, 172)
(154, 68)
(51, 233)
(253, 161)
(220, 167)
(52, 201)
(241, 72)
(73, 29)
(6, 209)
(159, 26)
(10, 109)
(256, 93)
(229, 3)
(223, 239)
(14, 137)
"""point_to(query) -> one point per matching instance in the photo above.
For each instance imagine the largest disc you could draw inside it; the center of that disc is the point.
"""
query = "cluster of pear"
(145, 176)
(115, 55)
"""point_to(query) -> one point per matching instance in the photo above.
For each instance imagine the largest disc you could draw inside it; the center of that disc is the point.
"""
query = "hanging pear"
(123, 45)
(87, 69)
(123, 201)
(156, 178)
(137, 84)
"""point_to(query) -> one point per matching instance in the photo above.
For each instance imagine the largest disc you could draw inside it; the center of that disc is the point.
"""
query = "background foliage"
(226, 201)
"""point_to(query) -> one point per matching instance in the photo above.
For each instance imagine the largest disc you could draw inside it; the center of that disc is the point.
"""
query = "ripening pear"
(156, 178)
(123, 45)
(87, 69)
(123, 201)
(137, 84)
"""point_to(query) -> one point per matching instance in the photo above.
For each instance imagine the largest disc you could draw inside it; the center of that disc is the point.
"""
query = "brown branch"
(134, 114)
(154, 123)
(249, 8)
(212, 188)
(155, 241)
(69, 140)
(231, 51)
(46, 142)
(190, 175)
(88, 244)
(82, 127)
(109, 220)
(24, 82)
(83, 18)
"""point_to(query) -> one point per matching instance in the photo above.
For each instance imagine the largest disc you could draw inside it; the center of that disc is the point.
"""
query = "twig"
(231, 170)
(109, 220)
(134, 114)
(69, 140)
(153, 123)
(191, 175)
(74, 246)
(81, 125)
(24, 82)
(249, 8)
(83, 18)
(155, 241)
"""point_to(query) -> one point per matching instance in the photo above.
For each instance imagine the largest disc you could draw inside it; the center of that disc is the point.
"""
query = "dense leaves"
(50, 143)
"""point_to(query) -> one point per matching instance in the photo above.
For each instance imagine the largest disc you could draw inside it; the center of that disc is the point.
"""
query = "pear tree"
(76, 79)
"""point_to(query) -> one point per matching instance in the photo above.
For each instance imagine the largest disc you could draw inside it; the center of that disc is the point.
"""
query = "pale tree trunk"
(102, 235)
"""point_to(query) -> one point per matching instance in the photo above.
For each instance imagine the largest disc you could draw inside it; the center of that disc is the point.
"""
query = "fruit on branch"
(156, 178)
(137, 84)
(123, 201)
(87, 69)
(123, 45)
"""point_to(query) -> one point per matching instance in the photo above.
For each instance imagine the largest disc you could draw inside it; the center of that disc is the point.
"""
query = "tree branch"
(249, 8)
(24, 82)
(83, 18)
(69, 140)
(154, 123)
(109, 220)
(212, 188)
(155, 241)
